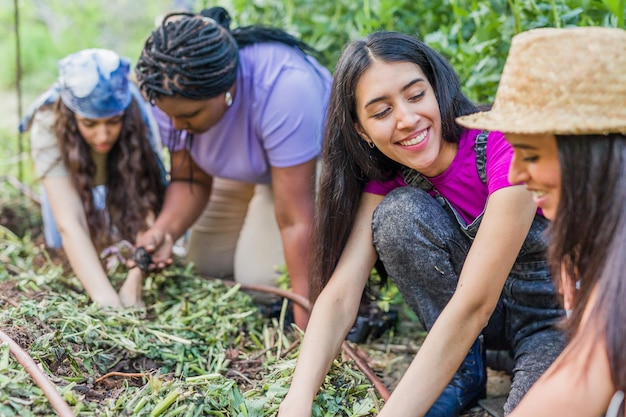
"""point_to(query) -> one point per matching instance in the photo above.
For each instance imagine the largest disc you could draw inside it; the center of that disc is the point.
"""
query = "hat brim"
(535, 123)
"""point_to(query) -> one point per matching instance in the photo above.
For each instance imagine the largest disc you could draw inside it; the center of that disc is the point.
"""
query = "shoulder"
(44, 146)
(264, 53)
(266, 63)
(497, 137)
(498, 147)
(491, 143)
(42, 129)
(470, 137)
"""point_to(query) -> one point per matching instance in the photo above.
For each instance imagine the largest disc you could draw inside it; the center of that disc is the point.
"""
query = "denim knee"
(422, 249)
(406, 212)
(530, 297)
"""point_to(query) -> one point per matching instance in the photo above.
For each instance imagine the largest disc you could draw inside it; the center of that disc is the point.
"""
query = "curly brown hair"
(134, 184)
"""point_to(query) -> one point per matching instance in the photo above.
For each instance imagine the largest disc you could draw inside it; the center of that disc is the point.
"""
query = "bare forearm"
(333, 314)
(296, 247)
(86, 264)
(446, 345)
(321, 345)
(183, 204)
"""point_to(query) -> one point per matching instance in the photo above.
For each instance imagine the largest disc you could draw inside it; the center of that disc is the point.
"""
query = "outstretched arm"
(334, 313)
(185, 198)
(71, 221)
(294, 191)
(482, 278)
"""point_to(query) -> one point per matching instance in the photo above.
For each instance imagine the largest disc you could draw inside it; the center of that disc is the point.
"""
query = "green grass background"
(473, 34)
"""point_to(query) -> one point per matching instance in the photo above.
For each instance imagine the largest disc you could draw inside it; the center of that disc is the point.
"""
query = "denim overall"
(423, 242)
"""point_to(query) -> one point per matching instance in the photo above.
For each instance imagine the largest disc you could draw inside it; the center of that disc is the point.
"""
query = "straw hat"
(560, 81)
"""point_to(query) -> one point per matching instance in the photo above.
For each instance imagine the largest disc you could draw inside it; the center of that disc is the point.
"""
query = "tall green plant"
(617, 8)
(473, 34)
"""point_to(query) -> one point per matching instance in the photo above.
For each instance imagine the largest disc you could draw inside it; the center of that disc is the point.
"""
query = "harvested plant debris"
(199, 348)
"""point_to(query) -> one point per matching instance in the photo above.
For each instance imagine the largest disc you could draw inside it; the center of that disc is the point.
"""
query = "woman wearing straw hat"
(101, 176)
(404, 185)
(242, 113)
(562, 105)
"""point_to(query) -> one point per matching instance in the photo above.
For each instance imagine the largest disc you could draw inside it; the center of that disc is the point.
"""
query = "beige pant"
(237, 235)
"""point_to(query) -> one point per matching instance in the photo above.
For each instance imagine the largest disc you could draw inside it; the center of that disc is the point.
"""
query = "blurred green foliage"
(473, 34)
(51, 29)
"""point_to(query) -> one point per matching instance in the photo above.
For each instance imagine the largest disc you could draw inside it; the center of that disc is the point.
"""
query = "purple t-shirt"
(276, 118)
(460, 184)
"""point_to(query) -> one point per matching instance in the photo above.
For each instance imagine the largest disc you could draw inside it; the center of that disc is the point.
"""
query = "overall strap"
(480, 148)
(415, 179)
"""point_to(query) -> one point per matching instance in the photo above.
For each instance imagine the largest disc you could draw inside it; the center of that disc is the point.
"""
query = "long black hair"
(588, 239)
(348, 163)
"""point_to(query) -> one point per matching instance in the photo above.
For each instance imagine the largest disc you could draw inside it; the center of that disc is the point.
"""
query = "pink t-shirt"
(460, 184)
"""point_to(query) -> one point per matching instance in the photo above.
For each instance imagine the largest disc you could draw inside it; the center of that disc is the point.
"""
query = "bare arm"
(578, 384)
(184, 202)
(71, 221)
(334, 313)
(294, 189)
(507, 219)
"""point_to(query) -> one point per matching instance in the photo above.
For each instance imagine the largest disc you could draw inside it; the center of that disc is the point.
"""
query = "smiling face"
(398, 111)
(100, 134)
(194, 116)
(536, 164)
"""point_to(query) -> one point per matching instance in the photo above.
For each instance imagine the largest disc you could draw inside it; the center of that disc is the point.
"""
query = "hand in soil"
(131, 292)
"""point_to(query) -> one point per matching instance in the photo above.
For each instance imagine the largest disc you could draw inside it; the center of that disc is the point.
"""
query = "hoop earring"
(371, 144)
(228, 98)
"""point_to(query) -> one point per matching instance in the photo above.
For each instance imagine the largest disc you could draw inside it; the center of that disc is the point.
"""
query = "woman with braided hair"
(102, 179)
(242, 114)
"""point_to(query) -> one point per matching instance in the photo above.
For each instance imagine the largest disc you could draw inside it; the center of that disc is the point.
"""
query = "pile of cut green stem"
(200, 347)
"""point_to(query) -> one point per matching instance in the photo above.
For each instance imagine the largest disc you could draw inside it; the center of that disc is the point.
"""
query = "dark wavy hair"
(347, 162)
(196, 56)
(589, 239)
(133, 181)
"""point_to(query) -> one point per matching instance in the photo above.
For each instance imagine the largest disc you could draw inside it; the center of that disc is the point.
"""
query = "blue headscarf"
(92, 83)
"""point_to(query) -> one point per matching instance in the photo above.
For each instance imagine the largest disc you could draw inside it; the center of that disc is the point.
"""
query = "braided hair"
(196, 56)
